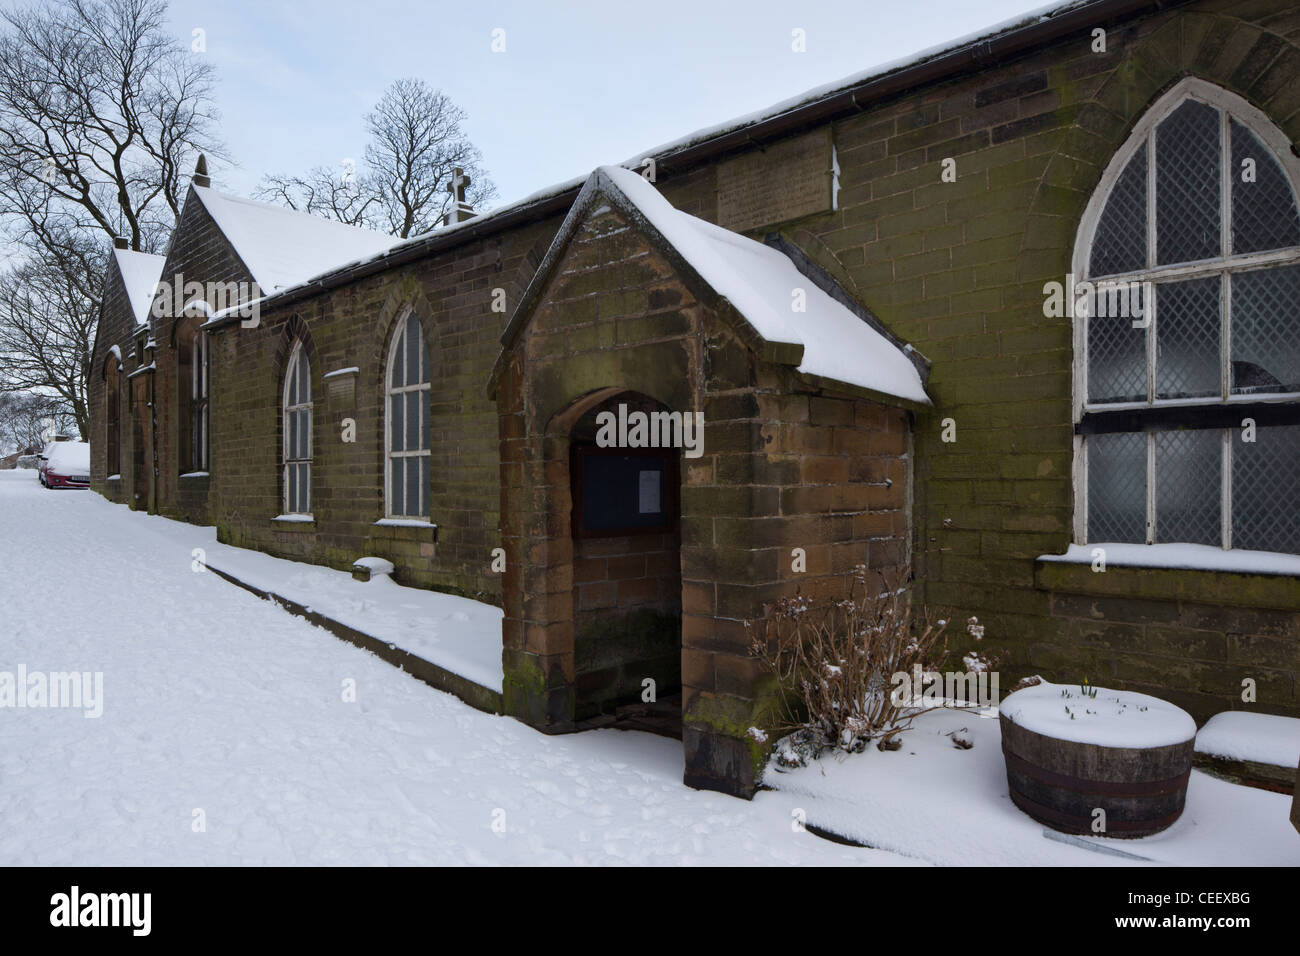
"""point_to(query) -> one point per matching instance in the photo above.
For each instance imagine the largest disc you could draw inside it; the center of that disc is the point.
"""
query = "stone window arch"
(296, 431)
(407, 389)
(1187, 332)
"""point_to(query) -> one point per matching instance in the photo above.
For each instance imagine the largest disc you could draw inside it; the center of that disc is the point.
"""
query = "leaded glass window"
(407, 408)
(1188, 399)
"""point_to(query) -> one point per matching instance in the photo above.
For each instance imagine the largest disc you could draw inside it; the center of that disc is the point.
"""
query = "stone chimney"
(119, 242)
(201, 177)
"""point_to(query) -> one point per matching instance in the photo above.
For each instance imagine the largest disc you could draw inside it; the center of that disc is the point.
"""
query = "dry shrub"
(835, 661)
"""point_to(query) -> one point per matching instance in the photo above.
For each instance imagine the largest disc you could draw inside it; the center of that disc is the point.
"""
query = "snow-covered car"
(43, 460)
(67, 465)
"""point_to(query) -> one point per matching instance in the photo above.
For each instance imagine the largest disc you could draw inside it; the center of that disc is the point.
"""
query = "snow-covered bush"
(836, 663)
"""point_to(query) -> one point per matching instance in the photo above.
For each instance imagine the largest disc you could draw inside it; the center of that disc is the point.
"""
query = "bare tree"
(28, 420)
(417, 138)
(102, 113)
(337, 195)
(49, 306)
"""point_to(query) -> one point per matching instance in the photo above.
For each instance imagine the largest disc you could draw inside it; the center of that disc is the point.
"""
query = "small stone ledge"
(404, 529)
(1248, 773)
(294, 524)
(476, 695)
(1233, 588)
(370, 569)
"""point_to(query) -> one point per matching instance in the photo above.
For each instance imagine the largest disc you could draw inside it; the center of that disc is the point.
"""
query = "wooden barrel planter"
(1121, 752)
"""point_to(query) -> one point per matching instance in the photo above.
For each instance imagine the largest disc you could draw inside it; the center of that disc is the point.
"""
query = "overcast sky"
(579, 83)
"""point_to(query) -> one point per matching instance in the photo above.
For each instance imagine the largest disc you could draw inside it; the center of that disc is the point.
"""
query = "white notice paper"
(650, 493)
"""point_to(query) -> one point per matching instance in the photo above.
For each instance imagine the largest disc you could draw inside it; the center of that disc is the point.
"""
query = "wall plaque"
(788, 180)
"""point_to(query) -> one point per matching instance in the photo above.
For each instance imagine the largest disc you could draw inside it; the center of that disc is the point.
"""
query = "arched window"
(192, 395)
(406, 456)
(113, 418)
(297, 433)
(1187, 389)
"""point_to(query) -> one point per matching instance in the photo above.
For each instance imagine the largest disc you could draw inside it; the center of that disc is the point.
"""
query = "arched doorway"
(623, 477)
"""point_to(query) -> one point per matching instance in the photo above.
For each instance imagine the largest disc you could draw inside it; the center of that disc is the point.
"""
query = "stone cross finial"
(460, 210)
(457, 185)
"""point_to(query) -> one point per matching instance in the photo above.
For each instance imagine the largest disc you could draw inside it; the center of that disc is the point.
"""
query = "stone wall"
(352, 327)
(116, 323)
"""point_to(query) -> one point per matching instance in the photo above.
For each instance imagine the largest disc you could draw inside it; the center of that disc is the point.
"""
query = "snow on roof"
(826, 90)
(735, 123)
(285, 247)
(760, 283)
(140, 274)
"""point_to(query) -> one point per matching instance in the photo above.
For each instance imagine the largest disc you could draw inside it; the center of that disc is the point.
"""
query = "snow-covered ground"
(223, 709)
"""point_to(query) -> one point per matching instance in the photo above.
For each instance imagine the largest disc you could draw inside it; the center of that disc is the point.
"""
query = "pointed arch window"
(297, 433)
(192, 394)
(407, 391)
(1187, 333)
(113, 418)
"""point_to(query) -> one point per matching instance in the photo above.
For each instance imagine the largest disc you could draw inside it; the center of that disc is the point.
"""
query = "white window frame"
(399, 327)
(1266, 130)
(290, 465)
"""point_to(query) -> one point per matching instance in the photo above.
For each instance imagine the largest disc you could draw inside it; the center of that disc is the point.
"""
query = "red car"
(67, 465)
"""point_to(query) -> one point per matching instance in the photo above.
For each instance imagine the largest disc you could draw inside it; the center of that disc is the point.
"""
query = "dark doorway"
(627, 582)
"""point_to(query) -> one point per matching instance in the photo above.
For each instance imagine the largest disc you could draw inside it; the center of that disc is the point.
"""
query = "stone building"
(1018, 315)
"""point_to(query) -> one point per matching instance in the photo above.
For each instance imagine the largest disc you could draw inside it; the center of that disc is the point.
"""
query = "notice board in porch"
(623, 491)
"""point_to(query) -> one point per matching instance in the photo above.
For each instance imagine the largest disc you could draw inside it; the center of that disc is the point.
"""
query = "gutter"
(975, 55)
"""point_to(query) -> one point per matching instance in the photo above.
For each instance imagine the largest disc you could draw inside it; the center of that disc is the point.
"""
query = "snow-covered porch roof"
(831, 341)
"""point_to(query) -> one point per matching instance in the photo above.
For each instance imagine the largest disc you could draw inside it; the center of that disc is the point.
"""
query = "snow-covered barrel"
(1096, 761)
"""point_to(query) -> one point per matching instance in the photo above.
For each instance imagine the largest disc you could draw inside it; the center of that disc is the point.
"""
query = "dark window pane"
(424, 485)
(1264, 214)
(396, 427)
(1120, 243)
(413, 349)
(424, 418)
(1189, 496)
(1266, 330)
(1265, 477)
(291, 440)
(1117, 352)
(1187, 185)
(1117, 488)
(1187, 339)
(397, 482)
(413, 496)
(412, 420)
